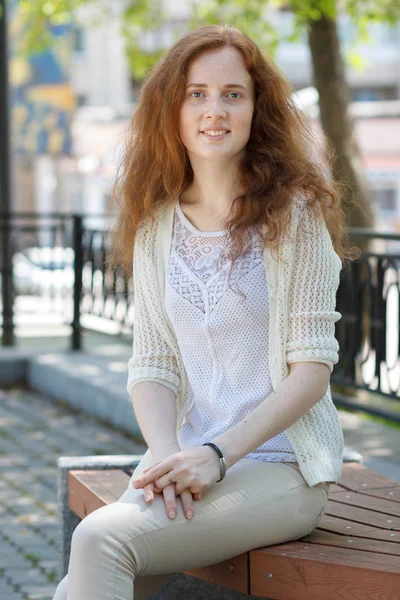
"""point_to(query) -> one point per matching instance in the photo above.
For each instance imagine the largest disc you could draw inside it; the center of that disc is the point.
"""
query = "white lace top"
(223, 336)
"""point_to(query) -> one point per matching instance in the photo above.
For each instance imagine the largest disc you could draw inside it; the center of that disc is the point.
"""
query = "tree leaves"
(139, 18)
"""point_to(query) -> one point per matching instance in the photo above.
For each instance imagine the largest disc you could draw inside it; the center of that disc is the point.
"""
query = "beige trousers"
(129, 549)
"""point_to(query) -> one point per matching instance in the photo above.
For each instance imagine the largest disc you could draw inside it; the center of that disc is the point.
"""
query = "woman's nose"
(214, 108)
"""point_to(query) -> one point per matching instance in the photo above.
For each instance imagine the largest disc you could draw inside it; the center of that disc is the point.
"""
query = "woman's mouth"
(216, 134)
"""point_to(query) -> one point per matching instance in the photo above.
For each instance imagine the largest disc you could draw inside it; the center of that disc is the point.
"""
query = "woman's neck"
(214, 185)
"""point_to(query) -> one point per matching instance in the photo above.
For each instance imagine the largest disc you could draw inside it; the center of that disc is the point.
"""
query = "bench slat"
(357, 477)
(362, 515)
(337, 556)
(378, 504)
(345, 527)
(355, 543)
(305, 575)
(114, 481)
(389, 493)
(86, 493)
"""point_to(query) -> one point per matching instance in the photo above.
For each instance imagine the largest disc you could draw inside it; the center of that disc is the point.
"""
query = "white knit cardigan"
(302, 281)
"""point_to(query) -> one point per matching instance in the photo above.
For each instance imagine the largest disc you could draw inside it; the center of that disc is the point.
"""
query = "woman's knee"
(89, 532)
(105, 528)
(61, 590)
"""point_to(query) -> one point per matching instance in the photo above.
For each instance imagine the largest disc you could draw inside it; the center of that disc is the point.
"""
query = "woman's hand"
(194, 469)
(169, 494)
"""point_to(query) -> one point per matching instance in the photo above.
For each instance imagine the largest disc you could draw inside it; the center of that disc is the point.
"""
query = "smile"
(215, 133)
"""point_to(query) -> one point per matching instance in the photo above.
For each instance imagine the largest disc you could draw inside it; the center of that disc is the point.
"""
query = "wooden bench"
(354, 553)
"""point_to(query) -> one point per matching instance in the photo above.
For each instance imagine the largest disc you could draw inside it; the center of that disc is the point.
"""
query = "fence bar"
(78, 268)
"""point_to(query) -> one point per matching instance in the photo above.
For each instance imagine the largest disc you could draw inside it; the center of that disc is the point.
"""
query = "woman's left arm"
(311, 346)
(305, 385)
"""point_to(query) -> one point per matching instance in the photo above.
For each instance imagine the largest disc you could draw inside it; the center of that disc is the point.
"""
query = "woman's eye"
(234, 95)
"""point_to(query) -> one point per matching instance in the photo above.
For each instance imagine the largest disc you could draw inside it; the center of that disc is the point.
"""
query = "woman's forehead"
(220, 62)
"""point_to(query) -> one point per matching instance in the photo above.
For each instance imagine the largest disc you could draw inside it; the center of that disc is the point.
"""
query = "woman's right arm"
(153, 380)
(155, 408)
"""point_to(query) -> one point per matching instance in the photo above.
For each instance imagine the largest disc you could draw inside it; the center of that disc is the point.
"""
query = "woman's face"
(217, 110)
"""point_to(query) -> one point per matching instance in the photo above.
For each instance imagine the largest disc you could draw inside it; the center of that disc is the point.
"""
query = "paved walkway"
(33, 434)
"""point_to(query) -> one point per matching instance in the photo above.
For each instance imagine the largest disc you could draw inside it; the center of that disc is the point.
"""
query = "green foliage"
(248, 15)
(141, 16)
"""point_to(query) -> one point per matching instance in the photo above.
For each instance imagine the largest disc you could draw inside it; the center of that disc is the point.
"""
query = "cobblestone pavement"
(33, 434)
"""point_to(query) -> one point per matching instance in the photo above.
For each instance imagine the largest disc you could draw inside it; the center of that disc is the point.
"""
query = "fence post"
(78, 267)
(8, 338)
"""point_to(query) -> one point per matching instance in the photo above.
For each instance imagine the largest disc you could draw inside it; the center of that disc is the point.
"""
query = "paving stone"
(24, 576)
(11, 558)
(8, 593)
(38, 594)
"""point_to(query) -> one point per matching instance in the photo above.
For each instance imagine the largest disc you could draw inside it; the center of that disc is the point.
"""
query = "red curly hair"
(276, 165)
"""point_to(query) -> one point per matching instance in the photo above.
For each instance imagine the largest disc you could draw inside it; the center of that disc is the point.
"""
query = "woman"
(238, 240)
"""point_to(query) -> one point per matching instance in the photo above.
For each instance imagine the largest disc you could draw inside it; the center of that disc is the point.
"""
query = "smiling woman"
(231, 390)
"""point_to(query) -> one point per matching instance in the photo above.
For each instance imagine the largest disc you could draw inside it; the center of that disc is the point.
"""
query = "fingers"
(169, 494)
(187, 503)
(170, 500)
(148, 491)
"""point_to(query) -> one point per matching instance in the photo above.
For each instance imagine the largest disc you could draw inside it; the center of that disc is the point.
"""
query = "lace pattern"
(220, 347)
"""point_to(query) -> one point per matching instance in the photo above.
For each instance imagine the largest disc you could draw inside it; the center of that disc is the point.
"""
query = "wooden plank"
(390, 493)
(362, 515)
(296, 576)
(353, 529)
(115, 481)
(86, 493)
(334, 488)
(356, 477)
(377, 504)
(391, 536)
(232, 573)
(344, 541)
(336, 556)
(345, 527)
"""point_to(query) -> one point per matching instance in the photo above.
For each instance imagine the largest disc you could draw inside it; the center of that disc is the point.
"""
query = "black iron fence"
(369, 330)
(58, 263)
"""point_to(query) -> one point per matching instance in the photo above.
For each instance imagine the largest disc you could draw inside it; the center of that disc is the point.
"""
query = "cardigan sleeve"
(152, 358)
(312, 294)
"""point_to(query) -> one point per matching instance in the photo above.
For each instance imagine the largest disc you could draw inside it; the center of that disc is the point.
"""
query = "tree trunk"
(334, 101)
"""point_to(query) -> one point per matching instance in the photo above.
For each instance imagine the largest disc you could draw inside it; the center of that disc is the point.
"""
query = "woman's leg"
(145, 587)
(257, 504)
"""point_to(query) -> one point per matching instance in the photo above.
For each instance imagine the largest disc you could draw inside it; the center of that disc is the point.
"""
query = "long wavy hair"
(276, 167)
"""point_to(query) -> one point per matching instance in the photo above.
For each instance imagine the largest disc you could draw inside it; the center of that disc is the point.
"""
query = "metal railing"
(368, 298)
(368, 333)
(83, 286)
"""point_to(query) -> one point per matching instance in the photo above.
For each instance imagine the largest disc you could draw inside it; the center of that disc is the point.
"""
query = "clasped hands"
(190, 471)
